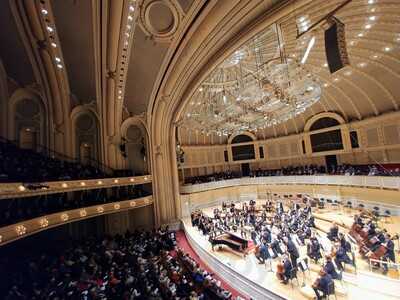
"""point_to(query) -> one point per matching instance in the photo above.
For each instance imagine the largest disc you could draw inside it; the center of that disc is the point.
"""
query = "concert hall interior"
(199, 149)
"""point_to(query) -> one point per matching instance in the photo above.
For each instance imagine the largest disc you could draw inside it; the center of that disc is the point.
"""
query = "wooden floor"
(261, 274)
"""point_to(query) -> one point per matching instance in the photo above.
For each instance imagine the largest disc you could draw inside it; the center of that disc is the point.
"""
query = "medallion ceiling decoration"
(256, 87)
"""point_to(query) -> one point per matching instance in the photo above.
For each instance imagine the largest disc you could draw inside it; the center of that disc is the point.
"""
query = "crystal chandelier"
(254, 88)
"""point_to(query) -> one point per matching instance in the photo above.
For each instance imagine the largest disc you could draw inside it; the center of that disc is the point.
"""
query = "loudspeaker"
(335, 46)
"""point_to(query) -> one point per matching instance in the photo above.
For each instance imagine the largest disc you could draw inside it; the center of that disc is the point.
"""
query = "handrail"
(41, 149)
(381, 182)
(19, 190)
(25, 228)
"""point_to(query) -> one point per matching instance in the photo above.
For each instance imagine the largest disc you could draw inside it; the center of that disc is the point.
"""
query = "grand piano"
(231, 240)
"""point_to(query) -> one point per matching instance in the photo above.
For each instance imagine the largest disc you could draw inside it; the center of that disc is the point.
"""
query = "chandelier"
(254, 88)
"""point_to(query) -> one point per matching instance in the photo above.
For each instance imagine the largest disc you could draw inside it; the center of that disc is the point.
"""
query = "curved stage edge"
(253, 280)
(241, 283)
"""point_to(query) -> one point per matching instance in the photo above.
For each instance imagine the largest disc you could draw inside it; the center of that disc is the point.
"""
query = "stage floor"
(250, 268)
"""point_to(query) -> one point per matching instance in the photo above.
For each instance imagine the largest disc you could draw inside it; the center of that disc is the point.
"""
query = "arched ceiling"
(75, 27)
(12, 51)
(367, 87)
(125, 73)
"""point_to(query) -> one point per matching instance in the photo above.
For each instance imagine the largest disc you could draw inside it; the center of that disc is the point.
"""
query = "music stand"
(302, 265)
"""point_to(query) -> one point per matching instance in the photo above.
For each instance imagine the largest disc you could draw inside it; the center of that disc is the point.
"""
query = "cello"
(280, 271)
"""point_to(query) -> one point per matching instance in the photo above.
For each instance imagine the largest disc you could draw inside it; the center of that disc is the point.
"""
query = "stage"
(259, 281)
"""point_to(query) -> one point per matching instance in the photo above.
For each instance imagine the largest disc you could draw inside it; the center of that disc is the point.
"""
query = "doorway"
(331, 162)
(245, 170)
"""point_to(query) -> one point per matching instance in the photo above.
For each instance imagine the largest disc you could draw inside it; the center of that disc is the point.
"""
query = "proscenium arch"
(331, 115)
(194, 60)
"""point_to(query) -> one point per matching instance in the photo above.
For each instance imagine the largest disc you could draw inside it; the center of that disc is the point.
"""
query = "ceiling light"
(372, 18)
(347, 73)
(57, 59)
(309, 47)
(130, 18)
(21, 188)
(336, 79)
(60, 66)
(325, 65)
(131, 8)
(375, 56)
(387, 49)
(371, 1)
(44, 11)
(49, 29)
(128, 27)
(360, 34)
(83, 183)
(120, 92)
(200, 89)
(54, 45)
(326, 85)
(352, 43)
(362, 64)
(368, 26)
(224, 98)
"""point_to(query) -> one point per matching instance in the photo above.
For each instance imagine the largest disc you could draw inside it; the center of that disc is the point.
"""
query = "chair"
(376, 211)
(387, 214)
(361, 206)
(331, 290)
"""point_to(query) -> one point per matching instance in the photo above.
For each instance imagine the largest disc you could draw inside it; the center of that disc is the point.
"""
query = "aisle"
(184, 244)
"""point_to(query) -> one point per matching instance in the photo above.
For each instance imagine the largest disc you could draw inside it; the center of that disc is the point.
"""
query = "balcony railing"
(22, 229)
(382, 182)
(18, 189)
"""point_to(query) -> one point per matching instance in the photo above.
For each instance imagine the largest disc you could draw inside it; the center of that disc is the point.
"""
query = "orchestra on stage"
(278, 232)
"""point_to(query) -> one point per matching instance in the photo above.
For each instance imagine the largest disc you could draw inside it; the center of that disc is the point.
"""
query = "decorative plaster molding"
(145, 20)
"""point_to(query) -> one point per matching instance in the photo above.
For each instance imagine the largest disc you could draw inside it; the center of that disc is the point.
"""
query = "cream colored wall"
(369, 196)
(379, 141)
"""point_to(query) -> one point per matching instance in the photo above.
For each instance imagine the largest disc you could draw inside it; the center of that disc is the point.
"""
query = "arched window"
(324, 122)
(136, 149)
(87, 137)
(29, 123)
(327, 140)
(242, 152)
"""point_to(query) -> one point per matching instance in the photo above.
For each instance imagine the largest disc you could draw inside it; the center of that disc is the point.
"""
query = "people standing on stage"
(389, 255)
(292, 250)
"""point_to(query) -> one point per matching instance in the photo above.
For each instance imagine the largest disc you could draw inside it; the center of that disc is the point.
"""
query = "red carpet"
(184, 244)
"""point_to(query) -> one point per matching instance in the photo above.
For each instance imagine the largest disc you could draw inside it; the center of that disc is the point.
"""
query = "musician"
(311, 221)
(263, 253)
(329, 268)
(333, 232)
(287, 269)
(292, 250)
(358, 220)
(314, 249)
(341, 257)
(321, 284)
(389, 255)
(344, 243)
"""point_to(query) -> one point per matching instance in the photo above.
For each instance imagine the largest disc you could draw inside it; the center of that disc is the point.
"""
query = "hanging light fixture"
(256, 87)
